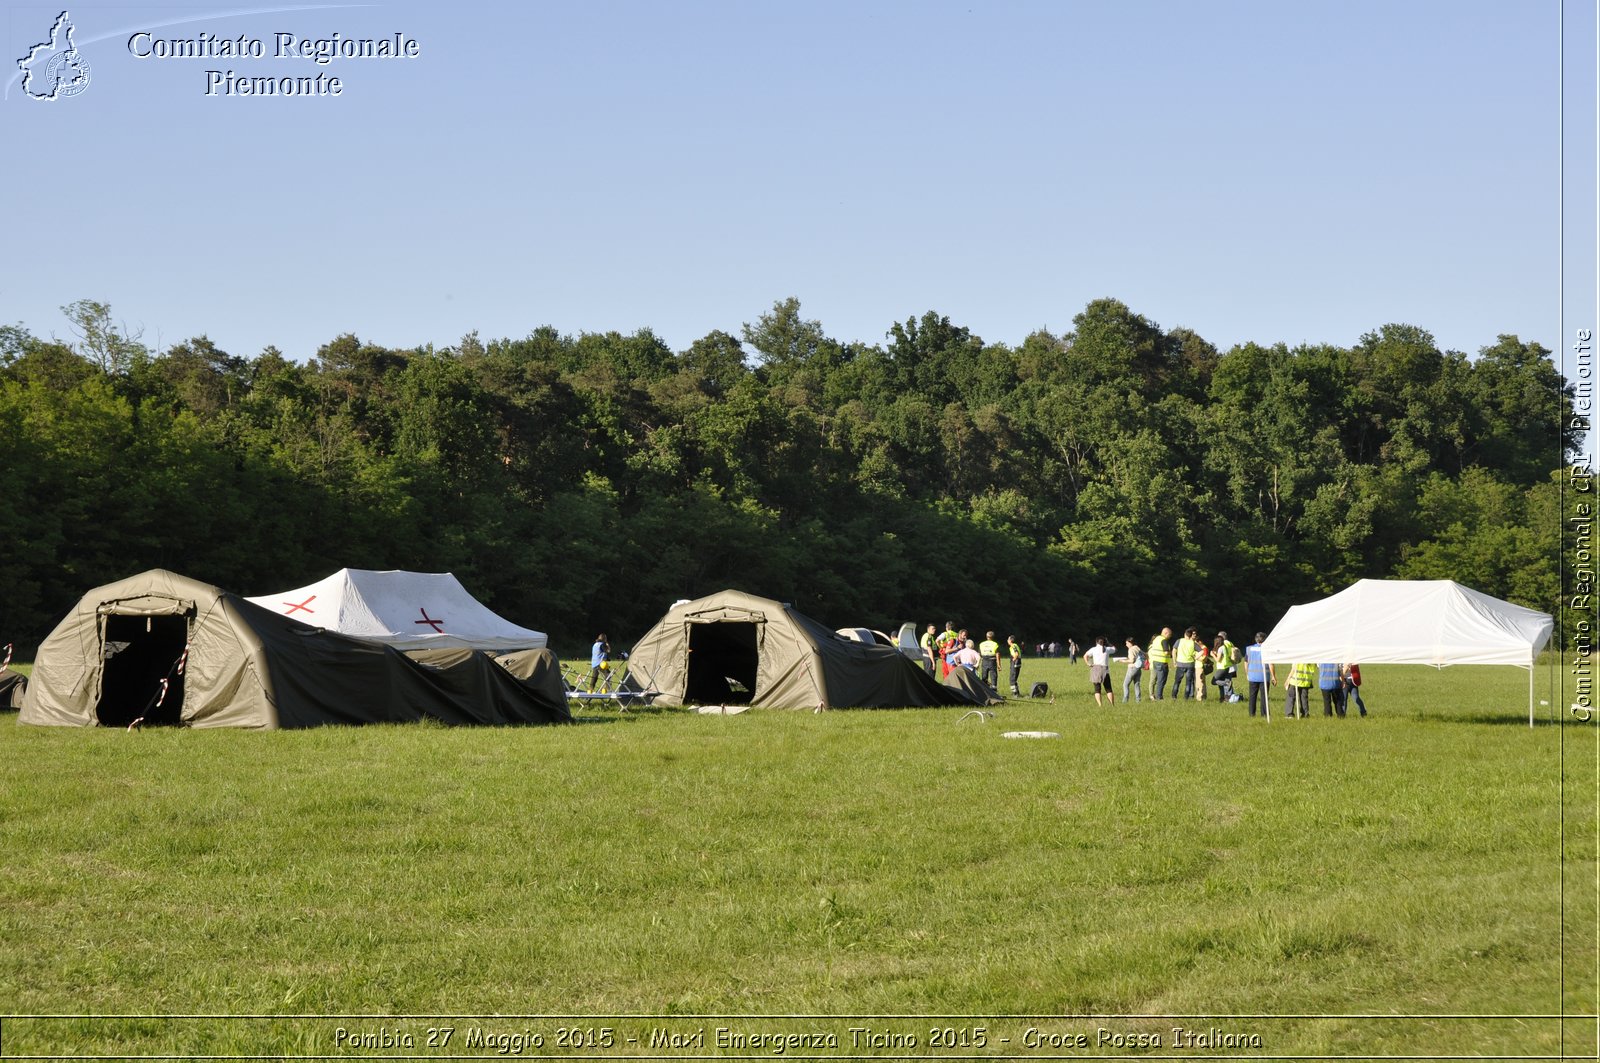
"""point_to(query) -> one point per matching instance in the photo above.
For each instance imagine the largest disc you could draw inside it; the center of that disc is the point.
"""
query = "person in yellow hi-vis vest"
(1302, 677)
(1160, 654)
(1015, 649)
(929, 654)
(1226, 656)
(1183, 675)
(989, 660)
(946, 644)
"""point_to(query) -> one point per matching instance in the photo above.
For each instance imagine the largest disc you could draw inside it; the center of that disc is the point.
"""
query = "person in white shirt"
(1098, 658)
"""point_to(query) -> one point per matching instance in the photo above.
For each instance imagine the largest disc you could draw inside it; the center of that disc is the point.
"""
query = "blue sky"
(1300, 172)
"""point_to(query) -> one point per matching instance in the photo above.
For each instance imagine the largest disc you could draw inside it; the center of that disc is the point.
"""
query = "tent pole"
(1530, 695)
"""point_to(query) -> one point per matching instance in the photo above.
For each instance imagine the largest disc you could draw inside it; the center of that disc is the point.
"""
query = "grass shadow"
(1498, 720)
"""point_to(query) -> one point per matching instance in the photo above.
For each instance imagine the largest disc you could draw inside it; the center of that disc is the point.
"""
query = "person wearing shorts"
(1098, 658)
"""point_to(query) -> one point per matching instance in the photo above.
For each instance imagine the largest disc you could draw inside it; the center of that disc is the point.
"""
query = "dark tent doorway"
(141, 651)
(722, 663)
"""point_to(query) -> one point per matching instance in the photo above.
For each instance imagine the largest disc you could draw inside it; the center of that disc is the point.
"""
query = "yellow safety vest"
(1186, 650)
(988, 648)
(1158, 652)
(1304, 675)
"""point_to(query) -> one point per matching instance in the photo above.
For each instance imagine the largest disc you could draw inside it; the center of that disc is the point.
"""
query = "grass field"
(1418, 883)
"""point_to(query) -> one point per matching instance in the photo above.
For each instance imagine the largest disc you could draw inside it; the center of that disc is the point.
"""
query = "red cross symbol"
(437, 625)
(301, 606)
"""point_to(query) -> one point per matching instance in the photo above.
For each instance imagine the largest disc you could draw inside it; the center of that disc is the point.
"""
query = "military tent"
(538, 671)
(12, 686)
(165, 649)
(736, 648)
(406, 610)
(971, 687)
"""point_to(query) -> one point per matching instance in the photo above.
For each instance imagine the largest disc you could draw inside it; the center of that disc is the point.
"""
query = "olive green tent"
(538, 671)
(735, 648)
(164, 649)
(12, 687)
(971, 687)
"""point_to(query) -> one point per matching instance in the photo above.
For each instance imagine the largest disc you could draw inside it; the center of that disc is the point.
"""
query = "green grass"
(1156, 859)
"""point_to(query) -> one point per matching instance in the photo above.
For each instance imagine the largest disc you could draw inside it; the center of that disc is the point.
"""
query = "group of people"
(1192, 665)
(1188, 661)
(1340, 684)
(945, 650)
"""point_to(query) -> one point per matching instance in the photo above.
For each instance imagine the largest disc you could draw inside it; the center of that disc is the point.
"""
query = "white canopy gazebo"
(1437, 622)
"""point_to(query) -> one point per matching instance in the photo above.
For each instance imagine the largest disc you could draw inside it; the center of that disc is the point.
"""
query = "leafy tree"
(1112, 478)
(1110, 343)
(1521, 411)
(198, 376)
(716, 361)
(1482, 536)
(934, 358)
(782, 338)
(109, 346)
(440, 422)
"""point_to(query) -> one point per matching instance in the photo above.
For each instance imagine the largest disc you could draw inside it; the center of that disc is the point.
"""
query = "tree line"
(1106, 481)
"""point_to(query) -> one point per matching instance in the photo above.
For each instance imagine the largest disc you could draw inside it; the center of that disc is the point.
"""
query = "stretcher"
(617, 687)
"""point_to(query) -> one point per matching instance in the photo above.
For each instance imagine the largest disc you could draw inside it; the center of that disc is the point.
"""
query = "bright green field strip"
(1171, 859)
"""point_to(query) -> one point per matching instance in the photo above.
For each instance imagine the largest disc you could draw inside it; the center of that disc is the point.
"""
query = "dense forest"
(1109, 480)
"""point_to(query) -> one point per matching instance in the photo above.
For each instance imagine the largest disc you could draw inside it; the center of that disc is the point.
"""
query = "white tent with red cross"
(406, 610)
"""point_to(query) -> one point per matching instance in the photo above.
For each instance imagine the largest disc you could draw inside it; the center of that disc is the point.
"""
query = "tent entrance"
(139, 652)
(722, 663)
